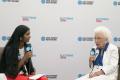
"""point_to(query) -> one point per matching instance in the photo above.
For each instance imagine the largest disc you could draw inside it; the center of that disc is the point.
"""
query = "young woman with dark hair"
(16, 59)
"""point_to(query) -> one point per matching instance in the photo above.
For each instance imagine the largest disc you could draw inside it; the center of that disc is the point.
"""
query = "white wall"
(63, 21)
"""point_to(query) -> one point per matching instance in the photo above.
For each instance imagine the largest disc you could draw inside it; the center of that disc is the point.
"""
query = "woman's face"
(26, 37)
(100, 40)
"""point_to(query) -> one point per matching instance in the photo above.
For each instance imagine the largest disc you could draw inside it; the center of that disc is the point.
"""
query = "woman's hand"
(91, 59)
(98, 73)
(25, 58)
(27, 55)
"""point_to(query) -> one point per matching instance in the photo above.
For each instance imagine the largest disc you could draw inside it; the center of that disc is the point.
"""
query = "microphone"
(93, 52)
(92, 55)
(28, 47)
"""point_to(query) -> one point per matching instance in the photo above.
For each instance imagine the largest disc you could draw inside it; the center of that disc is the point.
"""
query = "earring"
(20, 38)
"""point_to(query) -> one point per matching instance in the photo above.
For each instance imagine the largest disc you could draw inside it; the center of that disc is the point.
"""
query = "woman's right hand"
(28, 55)
(25, 58)
(91, 59)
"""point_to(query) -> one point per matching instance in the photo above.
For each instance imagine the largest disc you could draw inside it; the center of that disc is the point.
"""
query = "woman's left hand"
(98, 73)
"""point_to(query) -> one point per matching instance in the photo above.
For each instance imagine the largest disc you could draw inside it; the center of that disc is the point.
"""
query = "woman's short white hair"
(106, 32)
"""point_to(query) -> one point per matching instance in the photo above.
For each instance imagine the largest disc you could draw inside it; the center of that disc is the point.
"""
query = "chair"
(2, 75)
(118, 78)
(1, 51)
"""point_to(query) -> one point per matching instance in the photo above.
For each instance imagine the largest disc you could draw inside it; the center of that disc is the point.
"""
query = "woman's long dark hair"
(17, 34)
(13, 45)
(14, 40)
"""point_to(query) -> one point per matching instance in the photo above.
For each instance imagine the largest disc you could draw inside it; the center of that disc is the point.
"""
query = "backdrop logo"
(102, 19)
(9, 1)
(65, 56)
(49, 38)
(85, 2)
(116, 3)
(52, 76)
(28, 18)
(83, 39)
(49, 1)
(65, 19)
(116, 39)
(5, 38)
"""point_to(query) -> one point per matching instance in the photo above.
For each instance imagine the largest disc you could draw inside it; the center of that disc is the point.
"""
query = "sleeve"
(113, 65)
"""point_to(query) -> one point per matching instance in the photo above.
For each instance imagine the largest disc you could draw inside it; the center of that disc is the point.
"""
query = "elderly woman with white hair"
(105, 60)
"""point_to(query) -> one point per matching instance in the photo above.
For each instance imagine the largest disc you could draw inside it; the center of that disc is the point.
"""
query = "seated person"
(16, 57)
(106, 61)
